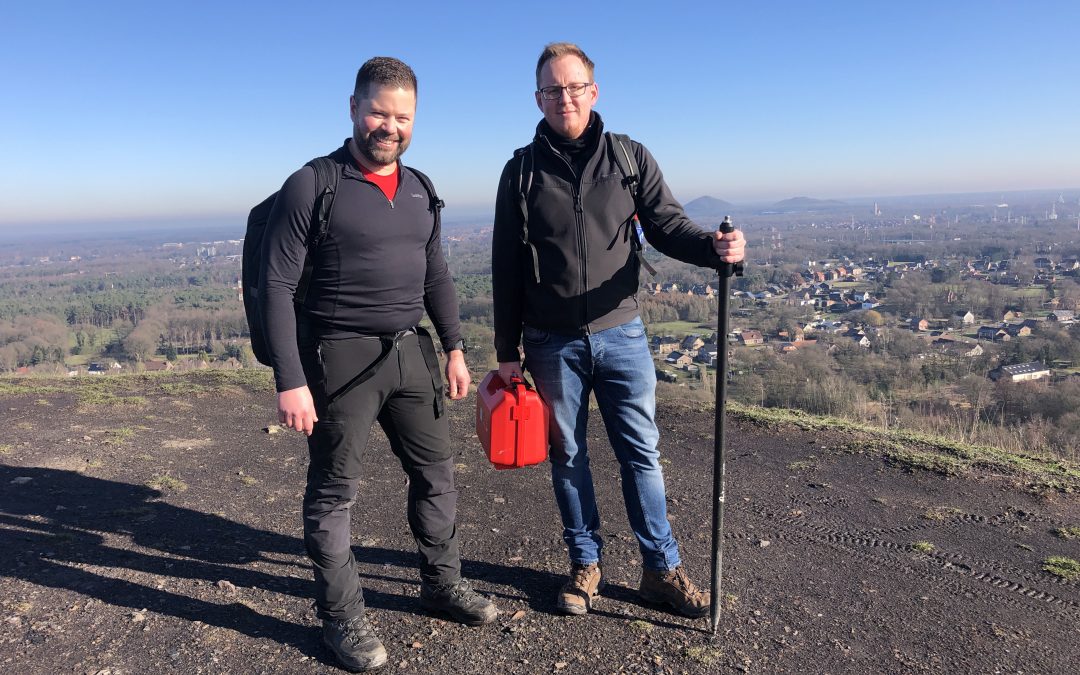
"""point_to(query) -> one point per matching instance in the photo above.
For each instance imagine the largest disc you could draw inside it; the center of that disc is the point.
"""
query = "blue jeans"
(617, 366)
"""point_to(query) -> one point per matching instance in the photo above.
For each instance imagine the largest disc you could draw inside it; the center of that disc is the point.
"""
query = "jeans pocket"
(534, 336)
(633, 329)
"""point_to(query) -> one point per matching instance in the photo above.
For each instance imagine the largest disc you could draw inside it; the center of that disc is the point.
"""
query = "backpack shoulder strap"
(327, 175)
(436, 204)
(619, 145)
(525, 161)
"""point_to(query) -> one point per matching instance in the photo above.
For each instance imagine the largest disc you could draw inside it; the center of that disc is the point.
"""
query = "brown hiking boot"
(674, 589)
(579, 593)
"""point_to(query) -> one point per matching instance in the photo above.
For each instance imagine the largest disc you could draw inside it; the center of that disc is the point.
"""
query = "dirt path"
(156, 529)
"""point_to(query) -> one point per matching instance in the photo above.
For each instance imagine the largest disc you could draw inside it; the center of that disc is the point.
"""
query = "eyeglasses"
(574, 89)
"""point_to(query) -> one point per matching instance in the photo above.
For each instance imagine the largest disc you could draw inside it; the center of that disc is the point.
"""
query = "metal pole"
(726, 270)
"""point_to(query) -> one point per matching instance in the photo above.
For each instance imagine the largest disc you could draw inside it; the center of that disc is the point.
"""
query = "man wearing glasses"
(565, 264)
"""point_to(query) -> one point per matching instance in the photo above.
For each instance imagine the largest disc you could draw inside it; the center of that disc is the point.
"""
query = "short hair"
(557, 49)
(384, 71)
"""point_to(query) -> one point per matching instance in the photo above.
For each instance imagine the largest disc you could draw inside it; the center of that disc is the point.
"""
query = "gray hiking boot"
(458, 600)
(354, 644)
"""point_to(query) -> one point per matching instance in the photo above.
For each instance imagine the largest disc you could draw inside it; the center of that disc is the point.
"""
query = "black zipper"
(579, 218)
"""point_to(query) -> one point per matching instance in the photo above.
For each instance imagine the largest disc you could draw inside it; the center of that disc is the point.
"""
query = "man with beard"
(351, 353)
(565, 262)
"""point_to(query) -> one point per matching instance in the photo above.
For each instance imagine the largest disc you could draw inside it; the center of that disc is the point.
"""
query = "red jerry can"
(511, 422)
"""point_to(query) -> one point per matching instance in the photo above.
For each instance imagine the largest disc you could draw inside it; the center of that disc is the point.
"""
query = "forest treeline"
(174, 305)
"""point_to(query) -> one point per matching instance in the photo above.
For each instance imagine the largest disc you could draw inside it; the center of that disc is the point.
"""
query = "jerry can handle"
(519, 386)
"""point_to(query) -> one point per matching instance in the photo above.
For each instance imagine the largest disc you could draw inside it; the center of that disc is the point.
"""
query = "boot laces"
(463, 590)
(356, 630)
(681, 581)
(581, 575)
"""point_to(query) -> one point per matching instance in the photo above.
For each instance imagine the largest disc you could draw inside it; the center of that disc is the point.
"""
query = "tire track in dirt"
(958, 578)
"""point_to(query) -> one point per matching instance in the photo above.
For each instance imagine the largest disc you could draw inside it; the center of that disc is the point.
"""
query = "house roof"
(1024, 368)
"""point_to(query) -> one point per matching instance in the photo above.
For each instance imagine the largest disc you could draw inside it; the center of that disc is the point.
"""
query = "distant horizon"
(452, 215)
(115, 115)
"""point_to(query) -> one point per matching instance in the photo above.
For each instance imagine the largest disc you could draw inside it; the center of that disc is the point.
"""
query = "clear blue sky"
(129, 110)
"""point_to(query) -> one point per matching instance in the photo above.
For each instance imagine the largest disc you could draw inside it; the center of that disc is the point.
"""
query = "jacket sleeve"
(283, 253)
(507, 261)
(665, 224)
(440, 297)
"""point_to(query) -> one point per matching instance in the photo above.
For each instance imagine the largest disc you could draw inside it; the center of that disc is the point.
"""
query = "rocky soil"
(152, 525)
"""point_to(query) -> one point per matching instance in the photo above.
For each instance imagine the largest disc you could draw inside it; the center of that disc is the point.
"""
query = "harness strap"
(427, 348)
(387, 342)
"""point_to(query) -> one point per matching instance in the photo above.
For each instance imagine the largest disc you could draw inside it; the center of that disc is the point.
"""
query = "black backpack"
(617, 143)
(327, 175)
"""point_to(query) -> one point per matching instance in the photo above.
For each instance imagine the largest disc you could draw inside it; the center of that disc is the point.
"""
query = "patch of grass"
(90, 398)
(94, 463)
(802, 465)
(24, 426)
(23, 386)
(1059, 566)
(940, 513)
(121, 435)
(923, 547)
(42, 402)
(6, 449)
(166, 483)
(675, 328)
(181, 388)
(1068, 532)
(128, 388)
(1044, 487)
(248, 480)
(918, 450)
(703, 655)
(926, 461)
(642, 625)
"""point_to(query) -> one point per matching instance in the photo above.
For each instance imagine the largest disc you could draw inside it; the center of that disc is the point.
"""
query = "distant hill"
(708, 207)
(806, 204)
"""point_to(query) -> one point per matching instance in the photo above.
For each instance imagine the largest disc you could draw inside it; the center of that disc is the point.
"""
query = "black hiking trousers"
(403, 397)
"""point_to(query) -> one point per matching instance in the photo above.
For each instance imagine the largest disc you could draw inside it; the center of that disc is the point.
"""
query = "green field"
(1029, 292)
(679, 328)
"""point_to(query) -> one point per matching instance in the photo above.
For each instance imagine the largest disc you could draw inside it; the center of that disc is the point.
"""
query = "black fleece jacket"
(380, 266)
(580, 225)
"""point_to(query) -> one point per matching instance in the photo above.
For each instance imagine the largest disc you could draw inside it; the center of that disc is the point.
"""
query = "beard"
(368, 146)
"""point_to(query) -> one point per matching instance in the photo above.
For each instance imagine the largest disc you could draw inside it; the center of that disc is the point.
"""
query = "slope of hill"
(152, 523)
(707, 207)
(806, 204)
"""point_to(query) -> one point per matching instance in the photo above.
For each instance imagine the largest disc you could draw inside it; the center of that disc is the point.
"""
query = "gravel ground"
(156, 528)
